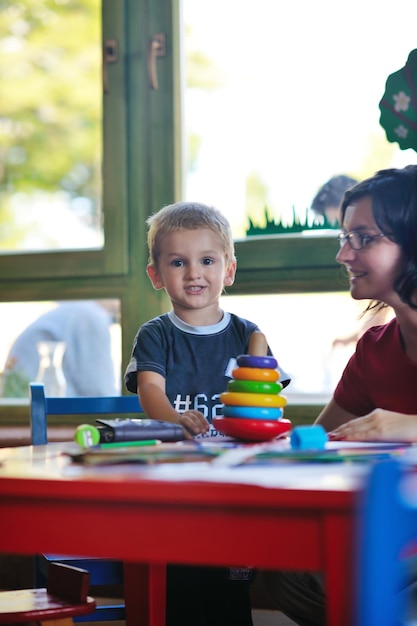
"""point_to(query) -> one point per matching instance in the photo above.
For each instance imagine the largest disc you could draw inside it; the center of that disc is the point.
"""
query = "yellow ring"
(252, 399)
(255, 373)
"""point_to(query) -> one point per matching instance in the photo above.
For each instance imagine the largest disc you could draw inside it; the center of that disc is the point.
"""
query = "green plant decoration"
(276, 227)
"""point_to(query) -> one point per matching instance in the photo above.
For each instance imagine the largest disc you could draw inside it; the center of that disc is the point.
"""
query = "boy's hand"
(194, 423)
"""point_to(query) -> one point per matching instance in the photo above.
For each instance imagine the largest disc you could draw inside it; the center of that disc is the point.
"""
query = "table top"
(37, 470)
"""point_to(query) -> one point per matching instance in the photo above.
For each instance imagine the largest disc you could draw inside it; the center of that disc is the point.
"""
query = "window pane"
(50, 125)
(281, 96)
(73, 347)
(311, 335)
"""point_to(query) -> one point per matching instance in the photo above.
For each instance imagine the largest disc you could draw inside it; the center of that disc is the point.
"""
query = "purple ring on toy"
(263, 362)
(253, 412)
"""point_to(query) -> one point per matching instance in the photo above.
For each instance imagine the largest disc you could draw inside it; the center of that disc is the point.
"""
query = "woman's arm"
(333, 416)
(379, 425)
(155, 403)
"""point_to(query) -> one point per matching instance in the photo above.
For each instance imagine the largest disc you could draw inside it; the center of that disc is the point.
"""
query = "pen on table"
(128, 444)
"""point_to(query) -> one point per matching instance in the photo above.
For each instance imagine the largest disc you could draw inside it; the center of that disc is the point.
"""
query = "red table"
(289, 517)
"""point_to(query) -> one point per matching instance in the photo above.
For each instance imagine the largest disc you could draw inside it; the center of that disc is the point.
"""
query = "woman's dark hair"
(394, 205)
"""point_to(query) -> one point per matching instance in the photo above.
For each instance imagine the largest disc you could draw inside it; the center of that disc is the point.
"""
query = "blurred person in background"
(87, 365)
(326, 202)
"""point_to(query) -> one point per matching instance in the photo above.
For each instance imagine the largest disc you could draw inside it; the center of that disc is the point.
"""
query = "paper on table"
(178, 452)
(319, 476)
(334, 451)
(233, 467)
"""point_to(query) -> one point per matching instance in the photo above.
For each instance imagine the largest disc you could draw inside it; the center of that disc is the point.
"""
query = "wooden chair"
(65, 597)
(103, 572)
(387, 530)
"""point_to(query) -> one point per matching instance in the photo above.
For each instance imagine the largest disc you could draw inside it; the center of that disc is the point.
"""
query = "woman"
(376, 398)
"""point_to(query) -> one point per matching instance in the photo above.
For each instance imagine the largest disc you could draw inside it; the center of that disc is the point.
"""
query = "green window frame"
(113, 258)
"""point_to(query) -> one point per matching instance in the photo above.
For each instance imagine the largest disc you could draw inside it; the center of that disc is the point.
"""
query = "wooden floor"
(260, 618)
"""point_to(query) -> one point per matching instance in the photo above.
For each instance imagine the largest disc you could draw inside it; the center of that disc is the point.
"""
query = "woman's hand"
(379, 425)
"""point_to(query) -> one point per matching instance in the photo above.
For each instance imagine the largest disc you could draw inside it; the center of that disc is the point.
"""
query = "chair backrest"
(68, 583)
(387, 529)
(41, 406)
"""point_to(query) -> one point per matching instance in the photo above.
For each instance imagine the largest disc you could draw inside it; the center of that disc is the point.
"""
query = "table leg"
(144, 592)
(338, 569)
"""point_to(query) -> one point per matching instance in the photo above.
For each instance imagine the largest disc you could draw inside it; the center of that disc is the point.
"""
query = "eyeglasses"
(357, 241)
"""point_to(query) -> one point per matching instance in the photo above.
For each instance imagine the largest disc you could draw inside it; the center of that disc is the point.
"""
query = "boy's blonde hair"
(187, 216)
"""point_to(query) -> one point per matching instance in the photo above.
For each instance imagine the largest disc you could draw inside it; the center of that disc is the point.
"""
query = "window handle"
(156, 50)
(110, 55)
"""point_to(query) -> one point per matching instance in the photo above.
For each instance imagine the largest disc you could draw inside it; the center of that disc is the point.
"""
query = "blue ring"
(263, 362)
(253, 412)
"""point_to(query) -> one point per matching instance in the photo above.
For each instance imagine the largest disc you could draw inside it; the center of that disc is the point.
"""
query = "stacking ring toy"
(248, 360)
(252, 412)
(253, 386)
(253, 399)
(255, 373)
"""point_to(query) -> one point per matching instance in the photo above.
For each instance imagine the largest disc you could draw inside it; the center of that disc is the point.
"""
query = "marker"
(128, 444)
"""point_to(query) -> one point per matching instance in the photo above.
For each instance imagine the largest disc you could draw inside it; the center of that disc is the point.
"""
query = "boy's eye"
(207, 261)
(177, 263)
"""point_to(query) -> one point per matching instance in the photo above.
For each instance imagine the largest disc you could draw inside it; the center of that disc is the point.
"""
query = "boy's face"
(192, 268)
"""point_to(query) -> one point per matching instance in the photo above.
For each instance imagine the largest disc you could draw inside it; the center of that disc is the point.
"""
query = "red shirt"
(379, 374)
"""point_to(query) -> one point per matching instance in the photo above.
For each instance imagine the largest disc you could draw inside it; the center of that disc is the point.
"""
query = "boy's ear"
(229, 277)
(153, 274)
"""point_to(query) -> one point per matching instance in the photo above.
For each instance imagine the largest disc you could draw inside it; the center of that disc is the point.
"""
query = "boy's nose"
(194, 270)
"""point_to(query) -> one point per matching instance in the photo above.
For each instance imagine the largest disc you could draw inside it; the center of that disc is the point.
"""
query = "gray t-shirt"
(196, 361)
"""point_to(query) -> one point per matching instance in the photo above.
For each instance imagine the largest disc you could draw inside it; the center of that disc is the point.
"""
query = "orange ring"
(253, 399)
(255, 373)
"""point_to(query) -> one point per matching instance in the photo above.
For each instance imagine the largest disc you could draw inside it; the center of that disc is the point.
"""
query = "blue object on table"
(103, 572)
(387, 527)
(308, 438)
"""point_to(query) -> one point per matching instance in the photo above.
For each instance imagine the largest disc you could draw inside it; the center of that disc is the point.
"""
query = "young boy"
(181, 362)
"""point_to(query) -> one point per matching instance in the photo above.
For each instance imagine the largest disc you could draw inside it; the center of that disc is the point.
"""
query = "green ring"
(253, 386)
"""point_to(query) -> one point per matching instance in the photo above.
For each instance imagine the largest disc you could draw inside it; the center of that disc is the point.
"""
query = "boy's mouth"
(194, 289)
